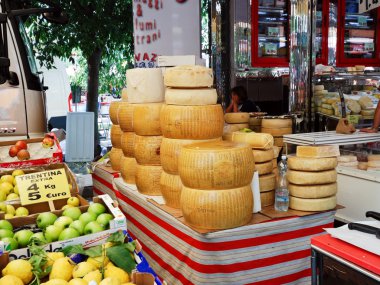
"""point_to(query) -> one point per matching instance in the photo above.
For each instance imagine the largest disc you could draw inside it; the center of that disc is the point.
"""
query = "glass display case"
(321, 31)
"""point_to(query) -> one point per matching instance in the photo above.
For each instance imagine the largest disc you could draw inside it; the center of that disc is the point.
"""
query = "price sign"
(270, 49)
(273, 31)
(43, 186)
(369, 47)
(319, 15)
(362, 21)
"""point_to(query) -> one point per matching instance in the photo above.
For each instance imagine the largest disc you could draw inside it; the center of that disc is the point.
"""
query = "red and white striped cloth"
(102, 179)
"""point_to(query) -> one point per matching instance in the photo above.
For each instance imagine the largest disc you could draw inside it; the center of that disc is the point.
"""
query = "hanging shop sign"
(366, 5)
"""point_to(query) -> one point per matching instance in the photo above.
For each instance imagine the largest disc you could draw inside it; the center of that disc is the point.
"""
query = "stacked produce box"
(277, 127)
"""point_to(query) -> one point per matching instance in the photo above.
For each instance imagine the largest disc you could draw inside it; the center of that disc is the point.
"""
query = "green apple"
(72, 212)
(85, 218)
(10, 210)
(52, 233)
(78, 225)
(68, 233)
(96, 208)
(66, 207)
(23, 237)
(3, 196)
(93, 227)
(39, 236)
(45, 219)
(17, 172)
(63, 222)
(104, 219)
(73, 201)
(6, 187)
(5, 225)
(5, 233)
(8, 216)
(7, 178)
(12, 243)
(12, 196)
(22, 212)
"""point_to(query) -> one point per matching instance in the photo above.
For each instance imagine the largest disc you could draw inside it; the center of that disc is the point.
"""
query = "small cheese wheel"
(145, 85)
(318, 87)
(367, 112)
(362, 165)
(188, 76)
(192, 122)
(125, 116)
(236, 118)
(267, 182)
(147, 150)
(312, 205)
(276, 123)
(373, 157)
(349, 164)
(191, 97)
(217, 210)
(115, 158)
(124, 94)
(128, 144)
(230, 128)
(347, 158)
(114, 108)
(116, 133)
(171, 187)
(277, 132)
(311, 177)
(264, 168)
(263, 155)
(254, 121)
(374, 163)
(148, 179)
(255, 140)
(318, 151)
(216, 165)
(146, 119)
(267, 198)
(278, 141)
(327, 111)
(311, 164)
(128, 166)
(313, 191)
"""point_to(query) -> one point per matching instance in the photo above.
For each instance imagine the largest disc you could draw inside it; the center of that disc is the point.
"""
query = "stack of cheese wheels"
(263, 153)
(216, 178)
(276, 154)
(235, 122)
(348, 161)
(190, 115)
(277, 127)
(255, 124)
(374, 162)
(116, 133)
(312, 178)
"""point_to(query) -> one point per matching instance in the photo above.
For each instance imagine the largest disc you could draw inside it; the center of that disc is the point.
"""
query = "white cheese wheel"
(347, 158)
(216, 165)
(115, 158)
(171, 187)
(145, 85)
(312, 205)
(277, 132)
(263, 155)
(236, 118)
(128, 144)
(264, 168)
(349, 164)
(267, 198)
(267, 182)
(147, 150)
(255, 140)
(217, 210)
(311, 164)
(148, 179)
(188, 76)
(318, 151)
(230, 128)
(191, 97)
(116, 133)
(278, 141)
(146, 119)
(114, 108)
(277, 123)
(374, 163)
(124, 94)
(125, 116)
(318, 87)
(373, 157)
(128, 166)
(311, 177)
(254, 121)
(192, 122)
(313, 191)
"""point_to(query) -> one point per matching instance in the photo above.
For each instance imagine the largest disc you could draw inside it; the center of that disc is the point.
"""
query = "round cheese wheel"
(230, 128)
(188, 76)
(277, 132)
(367, 112)
(148, 179)
(128, 144)
(362, 165)
(311, 177)
(349, 164)
(124, 94)
(116, 133)
(217, 210)
(264, 168)
(327, 111)
(192, 122)
(171, 187)
(128, 167)
(146, 119)
(145, 85)
(277, 123)
(318, 151)
(312, 205)
(147, 150)
(236, 118)
(255, 140)
(263, 155)
(267, 198)
(373, 157)
(267, 182)
(311, 164)
(115, 158)
(191, 97)
(313, 191)
(125, 116)
(114, 108)
(278, 141)
(254, 121)
(216, 165)
(318, 87)
(347, 158)
(374, 163)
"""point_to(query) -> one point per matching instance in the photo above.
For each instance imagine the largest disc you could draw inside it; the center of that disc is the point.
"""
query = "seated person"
(376, 121)
(240, 101)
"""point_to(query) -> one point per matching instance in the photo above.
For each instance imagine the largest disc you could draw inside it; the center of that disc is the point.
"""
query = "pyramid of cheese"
(277, 127)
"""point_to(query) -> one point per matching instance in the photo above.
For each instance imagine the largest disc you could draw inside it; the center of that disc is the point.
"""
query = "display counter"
(102, 180)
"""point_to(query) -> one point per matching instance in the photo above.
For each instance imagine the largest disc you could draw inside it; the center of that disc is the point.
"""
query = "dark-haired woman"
(240, 101)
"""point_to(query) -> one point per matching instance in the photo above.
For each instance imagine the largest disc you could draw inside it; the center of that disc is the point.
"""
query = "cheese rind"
(128, 144)
(277, 132)
(263, 155)
(264, 168)
(171, 187)
(125, 116)
(267, 182)
(311, 164)
(277, 123)
(312, 191)
(148, 179)
(236, 118)
(146, 119)
(255, 140)
(267, 198)
(188, 76)
(147, 150)
(191, 97)
(311, 177)
(116, 133)
(115, 158)
(145, 85)
(312, 205)
(114, 108)
(318, 151)
(128, 166)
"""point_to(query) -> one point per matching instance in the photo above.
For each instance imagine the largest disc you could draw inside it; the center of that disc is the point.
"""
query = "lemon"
(11, 280)
(77, 281)
(6, 187)
(93, 276)
(62, 269)
(81, 269)
(10, 210)
(98, 261)
(110, 281)
(19, 268)
(113, 271)
(7, 178)
(56, 282)
(53, 256)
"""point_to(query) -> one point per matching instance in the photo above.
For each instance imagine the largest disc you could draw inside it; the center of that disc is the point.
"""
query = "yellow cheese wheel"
(312, 191)
(128, 144)
(148, 179)
(255, 140)
(267, 198)
(277, 132)
(114, 108)
(188, 76)
(192, 122)
(171, 187)
(264, 168)
(125, 116)
(311, 177)
(124, 94)
(278, 141)
(146, 119)
(216, 165)
(374, 157)
(236, 118)
(318, 151)
(191, 97)
(374, 163)
(312, 205)
(263, 155)
(277, 123)
(147, 150)
(128, 169)
(347, 158)
(254, 121)
(311, 164)
(267, 182)
(217, 210)
(145, 85)
(115, 158)
(116, 133)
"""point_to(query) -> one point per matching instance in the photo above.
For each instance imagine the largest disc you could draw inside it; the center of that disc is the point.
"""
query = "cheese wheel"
(311, 177)
(230, 128)
(216, 165)
(254, 121)
(349, 164)
(236, 118)
(146, 119)
(128, 144)
(277, 132)
(327, 111)
(347, 158)
(367, 112)
(125, 116)
(147, 150)
(362, 165)
(373, 157)
(278, 141)
(114, 108)
(148, 179)
(312, 205)
(318, 151)
(188, 76)
(267, 182)
(116, 133)
(318, 87)
(264, 168)
(170, 150)
(191, 97)
(262, 155)
(274, 162)
(374, 163)
(255, 140)
(313, 191)
(217, 210)
(276, 123)
(145, 85)
(128, 167)
(267, 198)
(124, 94)
(327, 106)
(115, 158)
(321, 92)
(311, 164)
(192, 122)
(171, 187)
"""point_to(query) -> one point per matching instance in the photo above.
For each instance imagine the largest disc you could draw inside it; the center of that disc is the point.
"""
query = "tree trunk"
(93, 63)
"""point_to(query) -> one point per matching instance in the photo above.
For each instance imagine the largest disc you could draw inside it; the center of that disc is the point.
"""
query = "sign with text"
(165, 27)
(366, 5)
(43, 186)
